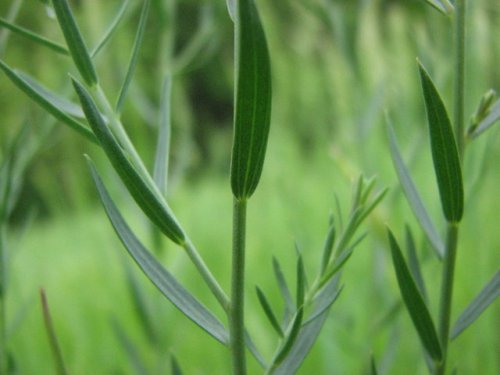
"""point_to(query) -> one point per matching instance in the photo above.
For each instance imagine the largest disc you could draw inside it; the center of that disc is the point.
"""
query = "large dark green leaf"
(444, 151)
(486, 297)
(414, 302)
(159, 276)
(75, 42)
(150, 200)
(57, 107)
(253, 101)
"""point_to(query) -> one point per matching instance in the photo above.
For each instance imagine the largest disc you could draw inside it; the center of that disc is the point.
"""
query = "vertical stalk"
(3, 338)
(236, 318)
(447, 293)
(459, 91)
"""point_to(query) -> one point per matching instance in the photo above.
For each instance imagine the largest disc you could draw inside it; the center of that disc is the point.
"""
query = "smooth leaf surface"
(284, 290)
(56, 47)
(325, 299)
(488, 121)
(54, 105)
(75, 42)
(414, 263)
(413, 196)
(111, 29)
(160, 170)
(414, 302)
(290, 337)
(253, 101)
(156, 273)
(443, 6)
(139, 36)
(444, 151)
(266, 306)
(486, 297)
(150, 201)
(328, 248)
(231, 9)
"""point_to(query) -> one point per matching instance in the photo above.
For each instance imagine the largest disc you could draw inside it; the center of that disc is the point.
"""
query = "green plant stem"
(459, 91)
(447, 293)
(3, 338)
(11, 16)
(236, 318)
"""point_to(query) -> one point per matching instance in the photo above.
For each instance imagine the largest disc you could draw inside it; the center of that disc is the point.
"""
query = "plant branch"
(459, 91)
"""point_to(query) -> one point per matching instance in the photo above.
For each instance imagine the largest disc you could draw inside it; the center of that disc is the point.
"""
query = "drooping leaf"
(253, 100)
(56, 47)
(284, 290)
(47, 100)
(414, 302)
(444, 151)
(139, 36)
(156, 273)
(75, 42)
(266, 306)
(414, 263)
(413, 196)
(111, 29)
(150, 201)
(160, 170)
(488, 121)
(486, 297)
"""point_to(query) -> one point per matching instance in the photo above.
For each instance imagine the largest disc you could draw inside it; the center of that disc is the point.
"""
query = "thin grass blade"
(160, 170)
(253, 100)
(155, 272)
(150, 201)
(139, 36)
(414, 263)
(413, 196)
(266, 306)
(111, 29)
(31, 35)
(133, 355)
(485, 298)
(488, 121)
(284, 290)
(414, 302)
(47, 101)
(444, 151)
(74, 40)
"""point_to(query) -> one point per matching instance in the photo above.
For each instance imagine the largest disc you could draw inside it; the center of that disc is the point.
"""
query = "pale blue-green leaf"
(160, 170)
(253, 349)
(231, 9)
(74, 40)
(413, 196)
(150, 200)
(111, 29)
(56, 47)
(139, 36)
(133, 354)
(444, 151)
(252, 115)
(488, 121)
(268, 310)
(414, 302)
(339, 262)
(290, 338)
(46, 101)
(443, 6)
(284, 290)
(325, 299)
(414, 263)
(156, 273)
(486, 297)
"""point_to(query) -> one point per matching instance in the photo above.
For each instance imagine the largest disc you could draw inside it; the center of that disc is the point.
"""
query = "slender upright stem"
(459, 91)
(3, 338)
(447, 293)
(236, 318)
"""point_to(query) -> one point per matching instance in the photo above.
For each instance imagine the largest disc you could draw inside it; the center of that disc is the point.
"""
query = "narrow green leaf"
(75, 42)
(160, 170)
(156, 273)
(111, 29)
(414, 302)
(150, 201)
(414, 263)
(253, 349)
(488, 121)
(325, 299)
(290, 338)
(413, 197)
(339, 262)
(176, 368)
(442, 6)
(328, 248)
(47, 101)
(56, 47)
(301, 282)
(266, 306)
(253, 100)
(444, 151)
(231, 8)
(139, 36)
(130, 348)
(486, 297)
(284, 290)
(373, 366)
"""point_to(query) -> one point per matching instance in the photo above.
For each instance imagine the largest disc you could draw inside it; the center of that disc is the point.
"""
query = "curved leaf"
(444, 151)
(253, 101)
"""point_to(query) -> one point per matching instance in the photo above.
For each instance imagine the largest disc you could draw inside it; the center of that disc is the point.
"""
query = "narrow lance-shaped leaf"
(490, 120)
(413, 197)
(111, 29)
(75, 42)
(139, 36)
(414, 302)
(47, 101)
(486, 297)
(160, 171)
(443, 6)
(328, 248)
(414, 263)
(301, 282)
(150, 201)
(444, 151)
(284, 290)
(56, 47)
(266, 306)
(290, 338)
(156, 273)
(253, 100)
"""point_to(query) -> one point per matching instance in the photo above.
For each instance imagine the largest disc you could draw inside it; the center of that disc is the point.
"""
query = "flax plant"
(448, 141)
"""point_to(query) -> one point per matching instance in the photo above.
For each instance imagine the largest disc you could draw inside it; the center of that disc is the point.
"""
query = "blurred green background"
(338, 65)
